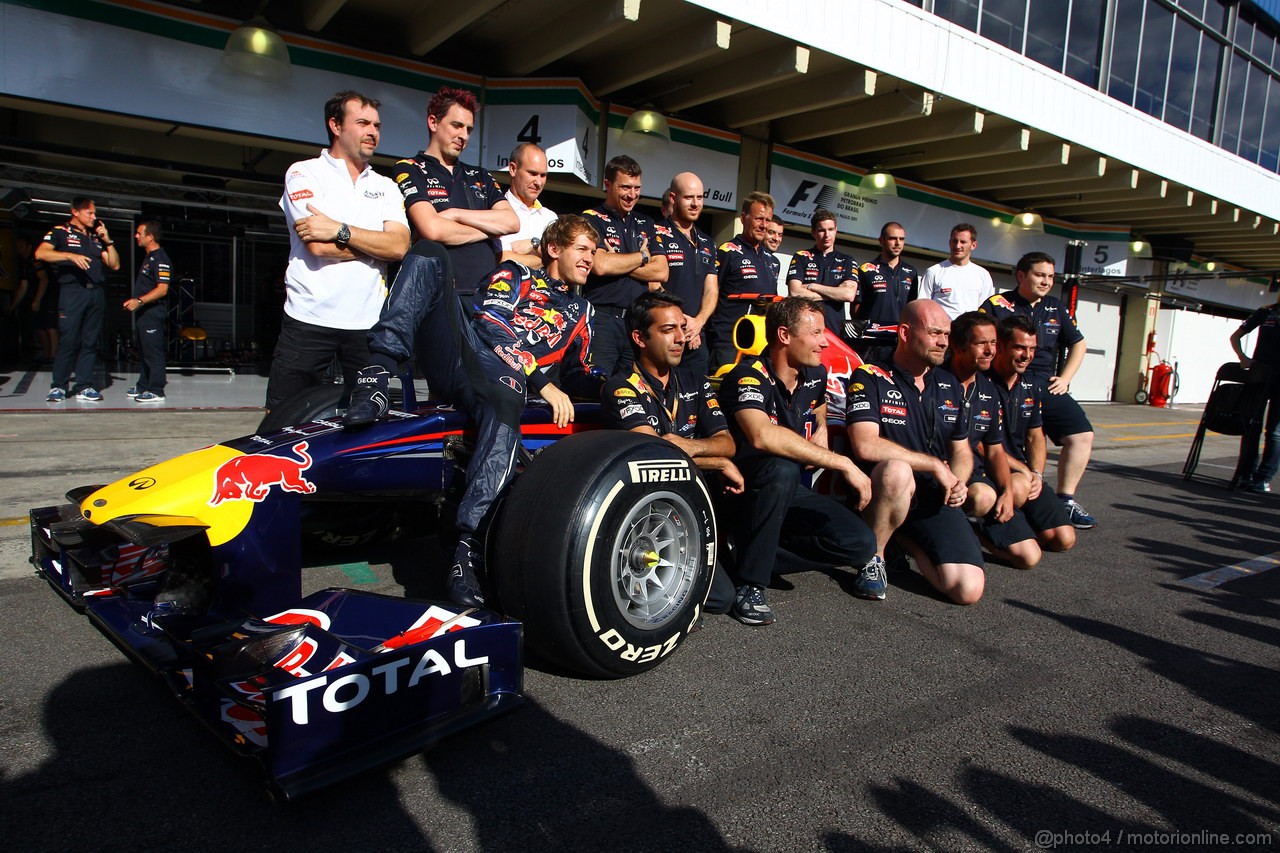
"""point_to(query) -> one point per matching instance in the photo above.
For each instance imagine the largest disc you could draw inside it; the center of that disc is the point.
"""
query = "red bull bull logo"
(250, 477)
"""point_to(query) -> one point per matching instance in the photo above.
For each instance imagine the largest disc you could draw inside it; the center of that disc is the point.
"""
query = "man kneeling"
(526, 331)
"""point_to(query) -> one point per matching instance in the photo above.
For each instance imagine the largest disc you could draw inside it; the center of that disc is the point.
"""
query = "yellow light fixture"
(256, 48)
(1139, 248)
(878, 184)
(1210, 265)
(1029, 220)
(647, 126)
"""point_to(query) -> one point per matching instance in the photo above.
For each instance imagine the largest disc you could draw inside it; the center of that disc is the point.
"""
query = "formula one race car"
(600, 556)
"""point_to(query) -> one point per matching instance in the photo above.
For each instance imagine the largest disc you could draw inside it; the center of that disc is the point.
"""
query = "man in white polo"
(528, 168)
(348, 223)
(958, 284)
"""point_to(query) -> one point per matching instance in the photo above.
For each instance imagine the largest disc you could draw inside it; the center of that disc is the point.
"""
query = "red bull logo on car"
(250, 477)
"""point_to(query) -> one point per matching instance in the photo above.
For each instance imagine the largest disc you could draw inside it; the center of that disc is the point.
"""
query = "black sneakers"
(370, 398)
(749, 606)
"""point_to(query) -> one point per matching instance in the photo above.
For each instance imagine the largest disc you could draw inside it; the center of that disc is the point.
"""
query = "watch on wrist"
(344, 236)
(644, 257)
(535, 243)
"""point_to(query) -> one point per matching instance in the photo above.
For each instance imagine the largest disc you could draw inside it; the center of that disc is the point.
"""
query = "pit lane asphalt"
(1090, 697)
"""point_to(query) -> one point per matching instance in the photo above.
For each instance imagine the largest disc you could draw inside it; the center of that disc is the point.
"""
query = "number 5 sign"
(564, 130)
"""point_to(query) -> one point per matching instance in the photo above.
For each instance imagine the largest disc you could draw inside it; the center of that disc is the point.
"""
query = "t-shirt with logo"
(155, 270)
(1054, 327)
(924, 421)
(688, 263)
(686, 406)
(620, 233)
(810, 266)
(752, 385)
(1020, 411)
(740, 268)
(64, 238)
(883, 291)
(981, 404)
(425, 178)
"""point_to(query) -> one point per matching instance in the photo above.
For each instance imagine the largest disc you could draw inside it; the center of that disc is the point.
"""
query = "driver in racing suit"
(526, 331)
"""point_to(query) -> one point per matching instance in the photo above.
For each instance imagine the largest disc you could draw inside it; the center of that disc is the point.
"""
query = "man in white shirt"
(958, 284)
(348, 223)
(528, 168)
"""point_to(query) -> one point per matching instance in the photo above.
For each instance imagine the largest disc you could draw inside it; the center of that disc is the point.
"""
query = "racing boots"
(464, 576)
(370, 398)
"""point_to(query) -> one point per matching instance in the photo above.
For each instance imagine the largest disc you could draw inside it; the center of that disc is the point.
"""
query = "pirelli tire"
(603, 549)
(313, 404)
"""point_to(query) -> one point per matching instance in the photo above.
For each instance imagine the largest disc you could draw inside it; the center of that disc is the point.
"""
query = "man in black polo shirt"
(1003, 530)
(691, 265)
(1020, 399)
(1064, 421)
(661, 395)
(629, 261)
(150, 293)
(743, 265)
(776, 406)
(888, 283)
(1266, 360)
(79, 253)
(823, 274)
(907, 427)
(466, 211)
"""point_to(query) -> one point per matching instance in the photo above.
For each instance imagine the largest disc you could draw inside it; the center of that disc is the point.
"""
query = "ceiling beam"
(889, 108)
(316, 14)
(1035, 157)
(1087, 169)
(982, 145)
(765, 68)
(576, 28)
(939, 127)
(438, 22)
(663, 53)
(802, 96)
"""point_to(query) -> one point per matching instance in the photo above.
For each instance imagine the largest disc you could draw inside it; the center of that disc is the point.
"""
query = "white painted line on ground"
(1217, 577)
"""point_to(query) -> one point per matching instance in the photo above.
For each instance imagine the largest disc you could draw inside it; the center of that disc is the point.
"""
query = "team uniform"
(740, 268)
(1021, 412)
(689, 262)
(526, 330)
(957, 288)
(149, 321)
(424, 178)
(330, 304)
(612, 295)
(1055, 328)
(1266, 355)
(883, 291)
(924, 422)
(811, 267)
(81, 306)
(533, 221)
(777, 512)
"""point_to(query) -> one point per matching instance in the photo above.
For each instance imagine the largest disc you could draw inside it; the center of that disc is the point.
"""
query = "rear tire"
(603, 549)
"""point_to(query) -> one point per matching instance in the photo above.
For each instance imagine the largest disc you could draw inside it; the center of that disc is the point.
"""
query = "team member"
(150, 291)
(465, 209)
(1020, 398)
(888, 283)
(823, 274)
(1064, 420)
(661, 395)
(348, 222)
(629, 261)
(958, 284)
(1002, 529)
(528, 168)
(691, 265)
(79, 253)
(906, 426)
(528, 332)
(743, 265)
(776, 407)
(773, 239)
(1266, 360)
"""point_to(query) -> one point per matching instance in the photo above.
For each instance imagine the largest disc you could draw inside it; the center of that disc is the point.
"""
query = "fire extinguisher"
(1164, 384)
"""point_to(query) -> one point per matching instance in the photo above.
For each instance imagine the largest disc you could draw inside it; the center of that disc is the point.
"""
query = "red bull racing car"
(599, 558)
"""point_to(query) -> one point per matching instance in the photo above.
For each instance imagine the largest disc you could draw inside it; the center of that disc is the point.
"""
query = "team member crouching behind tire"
(526, 331)
(661, 396)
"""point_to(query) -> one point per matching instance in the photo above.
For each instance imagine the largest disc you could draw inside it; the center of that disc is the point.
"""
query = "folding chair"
(1235, 407)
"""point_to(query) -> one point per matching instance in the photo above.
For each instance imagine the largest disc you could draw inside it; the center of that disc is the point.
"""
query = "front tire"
(604, 549)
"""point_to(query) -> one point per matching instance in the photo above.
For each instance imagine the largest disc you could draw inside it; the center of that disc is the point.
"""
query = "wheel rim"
(656, 559)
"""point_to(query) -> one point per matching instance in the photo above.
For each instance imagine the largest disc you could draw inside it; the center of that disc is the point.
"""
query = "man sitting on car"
(526, 332)
(658, 395)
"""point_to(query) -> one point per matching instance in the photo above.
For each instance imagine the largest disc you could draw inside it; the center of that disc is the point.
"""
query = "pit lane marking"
(1151, 423)
(13, 522)
(1225, 574)
(1149, 437)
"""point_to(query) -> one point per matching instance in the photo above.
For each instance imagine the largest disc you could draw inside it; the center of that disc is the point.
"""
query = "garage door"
(1098, 315)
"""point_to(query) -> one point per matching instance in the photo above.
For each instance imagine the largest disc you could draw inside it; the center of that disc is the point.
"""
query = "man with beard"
(907, 429)
(776, 405)
(528, 332)
(691, 265)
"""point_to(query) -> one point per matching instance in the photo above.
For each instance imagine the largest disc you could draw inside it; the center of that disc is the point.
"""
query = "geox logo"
(660, 471)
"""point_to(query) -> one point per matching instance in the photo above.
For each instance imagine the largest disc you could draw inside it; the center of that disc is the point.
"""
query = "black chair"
(1235, 407)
